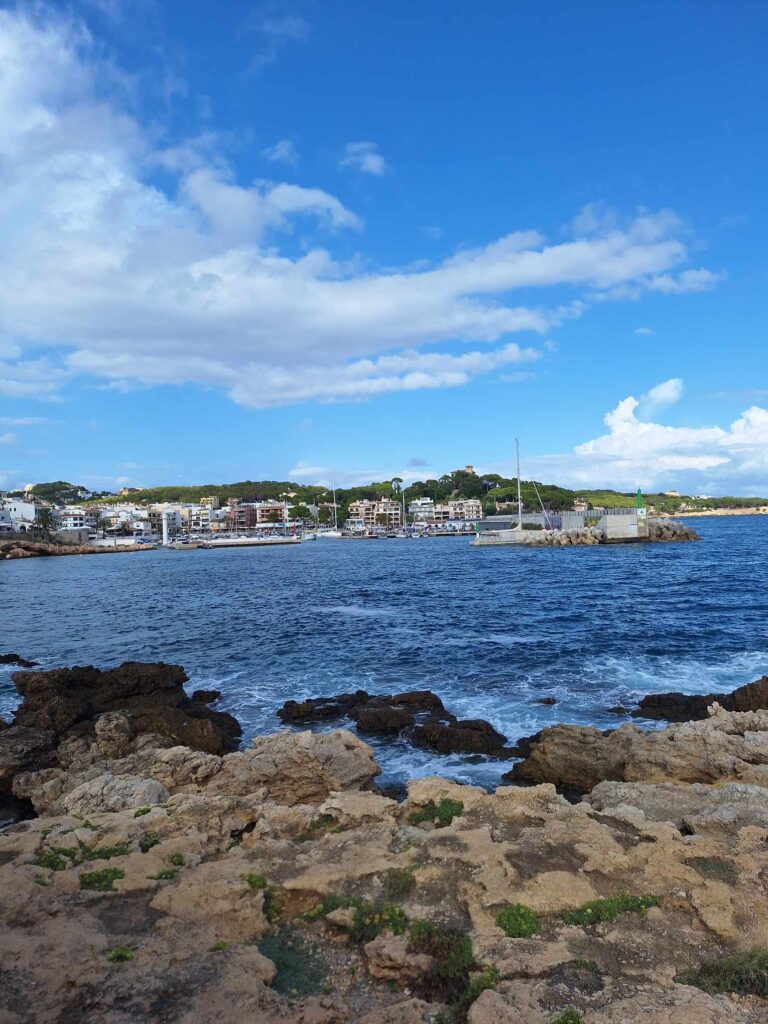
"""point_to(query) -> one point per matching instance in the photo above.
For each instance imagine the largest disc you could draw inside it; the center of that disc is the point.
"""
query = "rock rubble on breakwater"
(276, 885)
(658, 531)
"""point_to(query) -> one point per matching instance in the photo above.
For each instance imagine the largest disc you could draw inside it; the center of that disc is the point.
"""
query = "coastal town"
(460, 503)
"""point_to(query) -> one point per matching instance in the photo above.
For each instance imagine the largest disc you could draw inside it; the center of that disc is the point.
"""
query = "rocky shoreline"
(11, 549)
(165, 875)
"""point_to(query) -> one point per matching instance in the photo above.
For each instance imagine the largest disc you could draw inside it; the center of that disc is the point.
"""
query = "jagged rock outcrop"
(682, 707)
(16, 659)
(416, 715)
(66, 710)
(727, 747)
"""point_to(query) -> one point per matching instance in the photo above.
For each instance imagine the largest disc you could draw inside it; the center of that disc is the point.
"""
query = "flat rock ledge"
(275, 885)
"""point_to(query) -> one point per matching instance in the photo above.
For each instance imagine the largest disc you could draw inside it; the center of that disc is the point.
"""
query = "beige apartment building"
(368, 514)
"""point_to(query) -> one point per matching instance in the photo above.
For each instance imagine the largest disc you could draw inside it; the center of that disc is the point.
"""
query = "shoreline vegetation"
(162, 869)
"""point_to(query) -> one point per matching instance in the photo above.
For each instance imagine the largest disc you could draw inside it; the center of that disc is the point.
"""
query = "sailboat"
(515, 534)
(334, 533)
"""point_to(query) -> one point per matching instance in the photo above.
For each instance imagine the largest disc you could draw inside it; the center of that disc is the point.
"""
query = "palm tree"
(45, 521)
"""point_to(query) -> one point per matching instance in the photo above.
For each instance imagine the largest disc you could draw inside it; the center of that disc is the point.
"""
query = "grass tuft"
(52, 860)
(219, 947)
(715, 868)
(518, 921)
(120, 954)
(744, 973)
(569, 1017)
(166, 875)
(441, 814)
(105, 853)
(177, 859)
(141, 811)
(398, 884)
(608, 909)
(148, 840)
(101, 881)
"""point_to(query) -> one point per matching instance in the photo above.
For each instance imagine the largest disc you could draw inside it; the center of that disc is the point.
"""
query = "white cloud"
(639, 452)
(661, 396)
(23, 421)
(7, 438)
(283, 152)
(328, 476)
(645, 331)
(208, 283)
(275, 31)
(365, 157)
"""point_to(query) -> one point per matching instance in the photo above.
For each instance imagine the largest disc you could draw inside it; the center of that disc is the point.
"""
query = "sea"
(490, 630)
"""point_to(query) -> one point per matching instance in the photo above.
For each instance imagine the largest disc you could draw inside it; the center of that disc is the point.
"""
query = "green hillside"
(489, 488)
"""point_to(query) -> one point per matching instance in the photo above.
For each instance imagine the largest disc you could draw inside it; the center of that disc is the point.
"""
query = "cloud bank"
(234, 285)
(638, 452)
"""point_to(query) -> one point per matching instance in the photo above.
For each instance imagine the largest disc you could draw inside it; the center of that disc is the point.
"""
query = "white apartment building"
(74, 518)
(22, 513)
(6, 525)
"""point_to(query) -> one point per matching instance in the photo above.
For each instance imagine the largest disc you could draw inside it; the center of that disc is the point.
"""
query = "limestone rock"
(704, 808)
(113, 793)
(389, 959)
(298, 768)
(726, 747)
(216, 895)
(409, 1011)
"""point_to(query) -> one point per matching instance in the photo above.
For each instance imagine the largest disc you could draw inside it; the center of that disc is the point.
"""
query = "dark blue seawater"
(489, 630)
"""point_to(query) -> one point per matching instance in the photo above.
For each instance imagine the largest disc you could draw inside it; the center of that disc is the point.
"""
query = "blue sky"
(337, 240)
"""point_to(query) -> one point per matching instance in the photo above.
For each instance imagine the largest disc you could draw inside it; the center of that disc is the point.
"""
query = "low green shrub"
(452, 952)
(441, 814)
(177, 859)
(219, 947)
(744, 973)
(101, 881)
(256, 881)
(331, 901)
(148, 840)
(140, 811)
(518, 921)
(166, 875)
(608, 909)
(51, 859)
(569, 1017)
(371, 920)
(120, 954)
(478, 983)
(105, 853)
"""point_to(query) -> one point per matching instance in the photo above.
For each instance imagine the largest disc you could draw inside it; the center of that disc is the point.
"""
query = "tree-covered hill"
(494, 492)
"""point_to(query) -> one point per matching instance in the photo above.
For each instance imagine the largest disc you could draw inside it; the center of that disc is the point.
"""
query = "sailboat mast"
(335, 519)
(519, 488)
